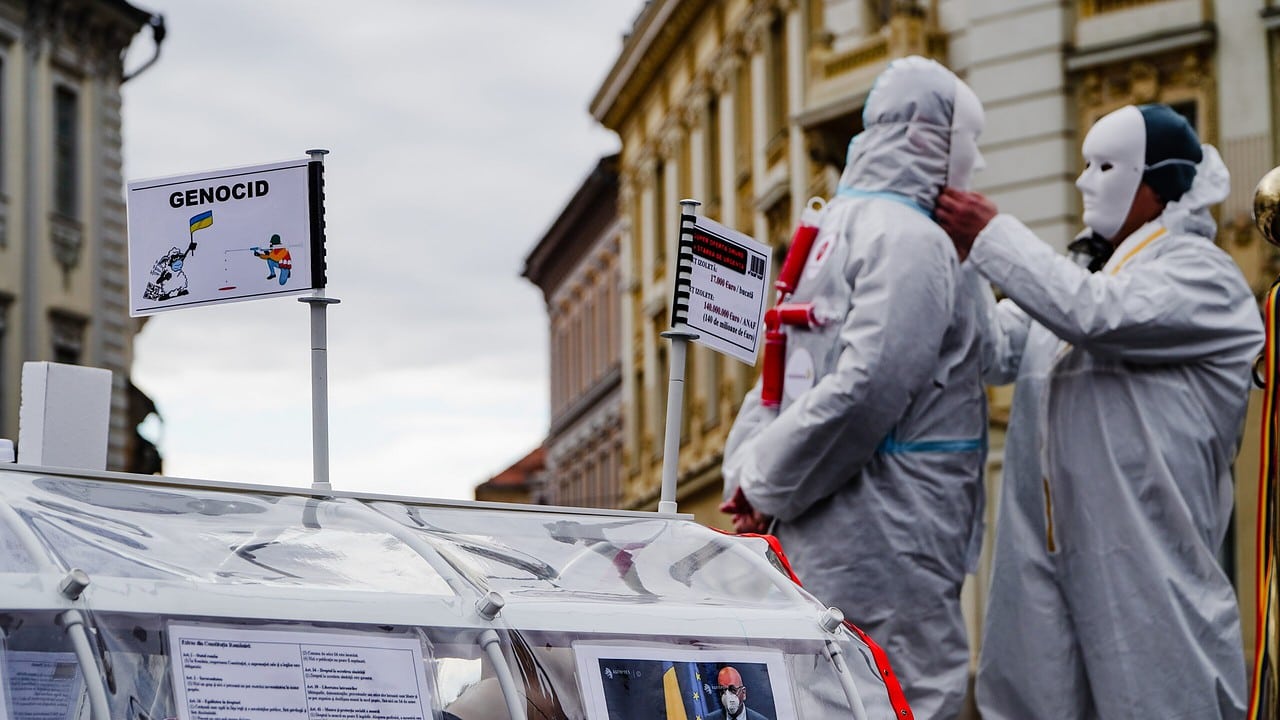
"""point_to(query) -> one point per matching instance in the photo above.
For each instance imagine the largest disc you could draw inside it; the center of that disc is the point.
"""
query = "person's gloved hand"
(963, 215)
(744, 517)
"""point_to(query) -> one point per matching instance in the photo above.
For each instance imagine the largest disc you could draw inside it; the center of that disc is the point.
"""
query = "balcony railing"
(874, 51)
(1089, 8)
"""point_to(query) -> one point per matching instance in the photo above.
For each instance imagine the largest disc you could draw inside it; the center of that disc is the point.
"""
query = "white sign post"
(233, 235)
(719, 302)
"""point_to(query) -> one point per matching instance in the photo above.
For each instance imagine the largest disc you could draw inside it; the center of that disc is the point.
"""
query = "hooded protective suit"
(1107, 598)
(872, 465)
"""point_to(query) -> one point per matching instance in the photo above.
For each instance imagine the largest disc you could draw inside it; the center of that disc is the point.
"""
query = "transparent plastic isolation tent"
(125, 596)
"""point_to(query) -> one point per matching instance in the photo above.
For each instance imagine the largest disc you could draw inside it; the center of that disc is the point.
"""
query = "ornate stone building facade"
(575, 264)
(748, 106)
(63, 271)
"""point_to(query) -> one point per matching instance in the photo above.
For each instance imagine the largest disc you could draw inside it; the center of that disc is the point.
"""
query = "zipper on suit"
(1049, 541)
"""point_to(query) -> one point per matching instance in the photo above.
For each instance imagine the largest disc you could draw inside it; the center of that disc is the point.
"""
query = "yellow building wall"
(717, 51)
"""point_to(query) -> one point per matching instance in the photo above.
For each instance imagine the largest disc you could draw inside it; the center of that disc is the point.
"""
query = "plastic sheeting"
(163, 555)
(552, 556)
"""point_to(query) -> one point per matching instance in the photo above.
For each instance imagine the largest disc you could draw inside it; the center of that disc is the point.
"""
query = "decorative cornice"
(66, 240)
(627, 188)
(656, 34)
(693, 107)
(724, 69)
(1203, 34)
(669, 139)
(1090, 8)
(756, 30)
(874, 50)
(94, 34)
(579, 225)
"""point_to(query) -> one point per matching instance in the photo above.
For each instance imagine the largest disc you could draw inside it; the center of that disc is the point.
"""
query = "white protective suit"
(1107, 598)
(871, 467)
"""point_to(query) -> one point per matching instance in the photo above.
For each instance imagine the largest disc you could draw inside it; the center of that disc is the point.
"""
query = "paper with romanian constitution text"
(223, 672)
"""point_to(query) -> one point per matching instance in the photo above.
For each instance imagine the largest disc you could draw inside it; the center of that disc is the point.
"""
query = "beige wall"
(64, 273)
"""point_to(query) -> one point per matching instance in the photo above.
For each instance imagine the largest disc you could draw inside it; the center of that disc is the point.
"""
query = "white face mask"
(731, 702)
(964, 158)
(1114, 154)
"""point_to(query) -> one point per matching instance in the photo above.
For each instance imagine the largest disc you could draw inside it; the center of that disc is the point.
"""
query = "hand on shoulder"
(963, 215)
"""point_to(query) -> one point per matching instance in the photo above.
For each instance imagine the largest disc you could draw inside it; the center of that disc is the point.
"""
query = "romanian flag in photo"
(671, 692)
(202, 221)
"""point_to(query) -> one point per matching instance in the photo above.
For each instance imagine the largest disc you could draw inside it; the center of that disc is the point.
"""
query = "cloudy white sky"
(458, 129)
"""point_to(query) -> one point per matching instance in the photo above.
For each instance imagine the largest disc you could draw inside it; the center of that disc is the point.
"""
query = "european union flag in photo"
(692, 678)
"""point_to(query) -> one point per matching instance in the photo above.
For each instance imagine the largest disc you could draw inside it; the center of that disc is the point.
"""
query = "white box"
(65, 416)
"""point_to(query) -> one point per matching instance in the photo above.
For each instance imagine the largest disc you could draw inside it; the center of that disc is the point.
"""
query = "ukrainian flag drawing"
(202, 221)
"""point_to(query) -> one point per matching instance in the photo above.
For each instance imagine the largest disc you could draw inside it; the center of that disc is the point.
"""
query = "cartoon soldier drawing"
(278, 259)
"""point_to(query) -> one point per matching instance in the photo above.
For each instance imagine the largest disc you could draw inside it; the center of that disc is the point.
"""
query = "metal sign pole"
(319, 375)
(679, 335)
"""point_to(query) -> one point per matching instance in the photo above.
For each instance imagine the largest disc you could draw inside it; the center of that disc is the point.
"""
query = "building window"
(711, 414)
(641, 416)
(573, 357)
(875, 15)
(67, 334)
(590, 336)
(742, 121)
(66, 172)
(6, 300)
(776, 96)
(662, 378)
(711, 154)
(557, 365)
(1189, 110)
(659, 231)
(684, 184)
(3, 149)
(613, 313)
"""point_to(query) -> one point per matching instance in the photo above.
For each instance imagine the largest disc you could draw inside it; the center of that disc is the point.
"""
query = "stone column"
(798, 158)
(628, 307)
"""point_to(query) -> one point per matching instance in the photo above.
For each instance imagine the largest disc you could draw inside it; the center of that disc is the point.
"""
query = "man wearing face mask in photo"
(869, 468)
(1131, 361)
(733, 698)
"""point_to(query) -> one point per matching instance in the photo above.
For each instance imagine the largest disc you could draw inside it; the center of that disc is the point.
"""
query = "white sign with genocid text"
(220, 236)
(222, 672)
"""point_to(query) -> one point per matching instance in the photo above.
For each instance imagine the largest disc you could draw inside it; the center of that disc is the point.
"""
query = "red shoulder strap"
(897, 699)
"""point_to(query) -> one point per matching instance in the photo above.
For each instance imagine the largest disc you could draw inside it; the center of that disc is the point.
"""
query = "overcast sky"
(458, 129)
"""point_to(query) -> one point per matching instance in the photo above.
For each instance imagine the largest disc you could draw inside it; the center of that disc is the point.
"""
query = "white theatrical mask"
(1114, 155)
(964, 158)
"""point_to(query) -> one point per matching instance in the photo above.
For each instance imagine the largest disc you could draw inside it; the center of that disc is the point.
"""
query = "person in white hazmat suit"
(870, 469)
(1132, 371)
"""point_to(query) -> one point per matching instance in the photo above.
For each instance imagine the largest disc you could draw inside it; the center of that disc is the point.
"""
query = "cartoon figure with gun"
(277, 257)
